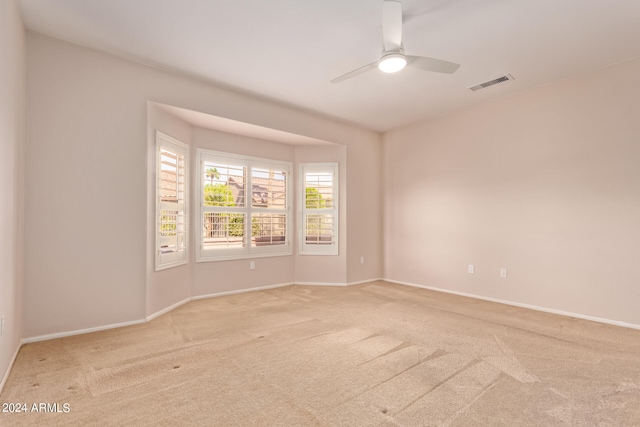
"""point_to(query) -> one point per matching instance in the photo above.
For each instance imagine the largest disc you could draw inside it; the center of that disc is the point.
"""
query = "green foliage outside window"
(315, 224)
(168, 224)
(218, 195)
(221, 195)
(313, 199)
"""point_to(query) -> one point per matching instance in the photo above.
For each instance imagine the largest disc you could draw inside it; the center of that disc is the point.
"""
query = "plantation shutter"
(171, 195)
(319, 209)
(245, 207)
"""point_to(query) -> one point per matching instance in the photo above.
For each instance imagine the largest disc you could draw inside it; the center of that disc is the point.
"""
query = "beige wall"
(87, 188)
(365, 189)
(545, 183)
(12, 98)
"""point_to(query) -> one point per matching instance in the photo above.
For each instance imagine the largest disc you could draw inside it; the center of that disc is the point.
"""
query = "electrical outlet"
(503, 273)
(2, 325)
(472, 269)
(252, 265)
(361, 260)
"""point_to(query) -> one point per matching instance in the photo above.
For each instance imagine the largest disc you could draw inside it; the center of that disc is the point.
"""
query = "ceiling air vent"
(504, 78)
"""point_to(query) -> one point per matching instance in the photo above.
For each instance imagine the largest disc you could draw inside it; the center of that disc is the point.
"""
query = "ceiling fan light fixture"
(393, 58)
(392, 63)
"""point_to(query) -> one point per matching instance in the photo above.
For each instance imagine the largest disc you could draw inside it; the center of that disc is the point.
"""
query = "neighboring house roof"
(168, 186)
(265, 192)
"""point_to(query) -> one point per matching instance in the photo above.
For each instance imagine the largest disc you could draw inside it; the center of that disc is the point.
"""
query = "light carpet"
(376, 354)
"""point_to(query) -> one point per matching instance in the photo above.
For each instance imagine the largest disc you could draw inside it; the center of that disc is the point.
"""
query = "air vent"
(504, 78)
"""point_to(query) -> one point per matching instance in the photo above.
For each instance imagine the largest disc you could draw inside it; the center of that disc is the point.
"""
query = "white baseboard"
(364, 281)
(176, 305)
(517, 304)
(8, 371)
(167, 309)
(336, 283)
(241, 291)
(331, 284)
(147, 319)
(80, 331)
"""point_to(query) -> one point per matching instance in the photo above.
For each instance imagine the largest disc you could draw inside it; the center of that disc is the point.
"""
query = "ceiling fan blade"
(355, 72)
(392, 25)
(432, 64)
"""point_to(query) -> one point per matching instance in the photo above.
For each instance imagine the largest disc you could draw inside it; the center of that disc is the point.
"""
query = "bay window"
(245, 207)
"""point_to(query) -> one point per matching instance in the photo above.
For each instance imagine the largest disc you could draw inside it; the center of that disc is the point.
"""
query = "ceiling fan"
(393, 58)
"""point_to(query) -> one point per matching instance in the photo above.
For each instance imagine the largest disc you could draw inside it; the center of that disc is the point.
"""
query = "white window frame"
(247, 251)
(164, 259)
(316, 249)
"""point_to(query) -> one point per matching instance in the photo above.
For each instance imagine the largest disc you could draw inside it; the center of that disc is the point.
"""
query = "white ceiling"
(289, 50)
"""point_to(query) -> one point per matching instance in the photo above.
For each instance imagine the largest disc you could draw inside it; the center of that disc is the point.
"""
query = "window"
(319, 220)
(171, 202)
(244, 207)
